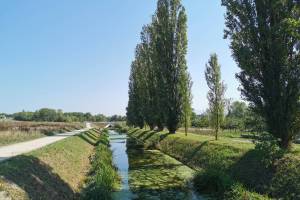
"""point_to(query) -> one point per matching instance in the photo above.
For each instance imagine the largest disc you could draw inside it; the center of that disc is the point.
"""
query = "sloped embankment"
(230, 162)
(56, 171)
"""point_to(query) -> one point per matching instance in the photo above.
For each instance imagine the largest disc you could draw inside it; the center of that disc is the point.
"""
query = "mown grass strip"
(57, 171)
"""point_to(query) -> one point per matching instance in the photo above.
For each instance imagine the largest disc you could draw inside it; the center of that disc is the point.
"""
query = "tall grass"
(15, 131)
(104, 178)
(38, 126)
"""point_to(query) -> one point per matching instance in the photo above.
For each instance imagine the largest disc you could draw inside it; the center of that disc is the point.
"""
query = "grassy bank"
(14, 131)
(227, 164)
(57, 171)
(103, 177)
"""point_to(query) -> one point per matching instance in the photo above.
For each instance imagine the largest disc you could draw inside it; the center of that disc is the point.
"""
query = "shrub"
(212, 181)
(268, 150)
(238, 192)
(286, 179)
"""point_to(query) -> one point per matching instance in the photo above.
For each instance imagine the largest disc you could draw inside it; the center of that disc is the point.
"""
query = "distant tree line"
(52, 115)
(237, 116)
(159, 83)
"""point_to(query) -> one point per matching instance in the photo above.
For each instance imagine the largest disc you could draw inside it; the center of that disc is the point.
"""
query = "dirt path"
(9, 151)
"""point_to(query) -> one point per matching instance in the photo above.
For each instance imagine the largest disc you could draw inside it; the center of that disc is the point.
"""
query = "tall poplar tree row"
(265, 37)
(171, 46)
(162, 81)
(134, 109)
(148, 77)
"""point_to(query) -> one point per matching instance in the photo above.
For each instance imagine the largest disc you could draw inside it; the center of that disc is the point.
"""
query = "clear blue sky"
(75, 55)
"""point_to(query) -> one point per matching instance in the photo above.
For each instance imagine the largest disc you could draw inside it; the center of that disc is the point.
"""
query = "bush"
(268, 150)
(286, 179)
(238, 192)
(212, 181)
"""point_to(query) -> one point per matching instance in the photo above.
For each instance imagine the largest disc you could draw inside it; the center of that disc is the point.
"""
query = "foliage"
(159, 84)
(134, 108)
(239, 161)
(269, 150)
(286, 179)
(254, 122)
(104, 178)
(52, 115)
(200, 121)
(265, 46)
(235, 118)
(212, 181)
(216, 92)
(239, 192)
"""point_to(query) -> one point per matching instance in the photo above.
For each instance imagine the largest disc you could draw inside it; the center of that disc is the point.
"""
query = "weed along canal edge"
(149, 174)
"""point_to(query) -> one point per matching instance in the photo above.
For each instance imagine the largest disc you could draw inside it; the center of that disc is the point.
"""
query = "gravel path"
(9, 151)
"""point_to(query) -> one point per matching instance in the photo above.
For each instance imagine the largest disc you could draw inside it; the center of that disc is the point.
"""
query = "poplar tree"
(187, 101)
(134, 113)
(148, 78)
(171, 48)
(216, 92)
(265, 44)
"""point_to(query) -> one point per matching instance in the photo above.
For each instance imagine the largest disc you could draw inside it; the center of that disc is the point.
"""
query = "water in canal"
(149, 174)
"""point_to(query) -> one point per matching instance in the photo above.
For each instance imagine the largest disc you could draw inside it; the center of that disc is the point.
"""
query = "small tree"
(187, 100)
(216, 92)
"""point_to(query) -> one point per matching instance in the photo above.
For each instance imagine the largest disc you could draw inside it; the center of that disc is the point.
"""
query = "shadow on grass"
(250, 171)
(192, 154)
(86, 137)
(35, 178)
(148, 134)
(140, 135)
(133, 131)
(163, 136)
(92, 135)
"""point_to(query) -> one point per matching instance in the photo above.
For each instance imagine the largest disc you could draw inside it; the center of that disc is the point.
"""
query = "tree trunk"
(160, 127)
(285, 142)
(185, 125)
(151, 126)
(172, 129)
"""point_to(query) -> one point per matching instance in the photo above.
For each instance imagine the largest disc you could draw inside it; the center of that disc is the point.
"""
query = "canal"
(149, 174)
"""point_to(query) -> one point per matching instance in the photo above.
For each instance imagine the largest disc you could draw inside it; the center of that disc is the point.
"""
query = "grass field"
(57, 171)
(14, 131)
(235, 158)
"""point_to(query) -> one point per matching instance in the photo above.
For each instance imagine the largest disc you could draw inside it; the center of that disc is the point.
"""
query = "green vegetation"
(265, 47)
(154, 175)
(8, 137)
(216, 93)
(52, 115)
(226, 162)
(103, 178)
(14, 132)
(57, 171)
(160, 68)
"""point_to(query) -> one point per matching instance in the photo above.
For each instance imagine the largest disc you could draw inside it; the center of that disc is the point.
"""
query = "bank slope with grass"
(103, 177)
(228, 168)
(57, 171)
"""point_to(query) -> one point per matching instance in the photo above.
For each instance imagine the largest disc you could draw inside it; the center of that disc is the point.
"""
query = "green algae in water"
(150, 174)
(154, 175)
